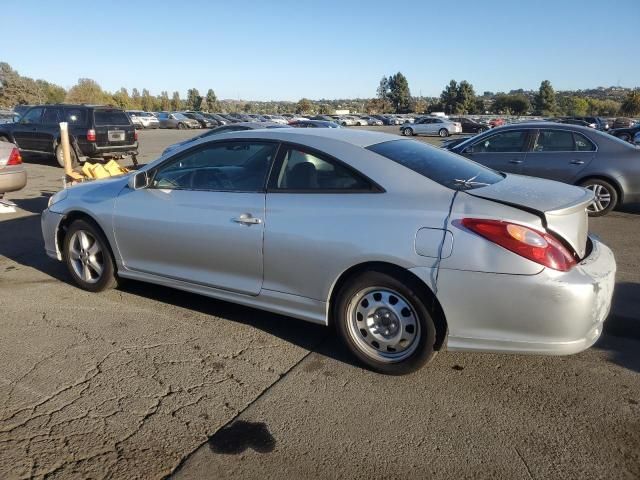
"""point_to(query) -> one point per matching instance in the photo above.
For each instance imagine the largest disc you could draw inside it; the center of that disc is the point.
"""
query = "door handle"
(247, 219)
(515, 161)
(577, 162)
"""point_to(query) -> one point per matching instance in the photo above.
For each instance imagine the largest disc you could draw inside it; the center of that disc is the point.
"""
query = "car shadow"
(633, 208)
(21, 241)
(34, 204)
(39, 159)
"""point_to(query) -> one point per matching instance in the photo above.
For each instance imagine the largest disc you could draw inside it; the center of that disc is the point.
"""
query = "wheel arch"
(71, 217)
(607, 179)
(432, 302)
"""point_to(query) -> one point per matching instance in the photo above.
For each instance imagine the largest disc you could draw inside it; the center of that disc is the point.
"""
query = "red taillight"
(91, 135)
(14, 157)
(539, 247)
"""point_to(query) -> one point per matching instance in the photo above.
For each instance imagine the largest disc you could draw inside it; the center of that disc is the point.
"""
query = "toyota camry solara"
(405, 248)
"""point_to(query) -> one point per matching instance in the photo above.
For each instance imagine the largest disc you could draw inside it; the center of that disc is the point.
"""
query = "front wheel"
(181, 126)
(605, 197)
(407, 132)
(88, 257)
(384, 322)
(443, 132)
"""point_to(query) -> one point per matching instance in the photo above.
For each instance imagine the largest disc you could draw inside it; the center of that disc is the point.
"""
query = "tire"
(377, 300)
(407, 132)
(344, 124)
(625, 136)
(88, 257)
(60, 158)
(443, 132)
(181, 126)
(606, 196)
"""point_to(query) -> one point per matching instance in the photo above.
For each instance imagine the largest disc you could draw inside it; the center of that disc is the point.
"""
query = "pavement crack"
(524, 463)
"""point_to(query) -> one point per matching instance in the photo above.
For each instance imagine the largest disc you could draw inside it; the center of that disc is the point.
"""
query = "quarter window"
(562, 141)
(583, 144)
(511, 141)
(51, 116)
(229, 166)
(76, 116)
(304, 171)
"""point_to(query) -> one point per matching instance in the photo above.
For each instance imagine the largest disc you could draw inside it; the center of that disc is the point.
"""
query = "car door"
(26, 132)
(421, 126)
(559, 155)
(49, 129)
(312, 201)
(504, 151)
(201, 219)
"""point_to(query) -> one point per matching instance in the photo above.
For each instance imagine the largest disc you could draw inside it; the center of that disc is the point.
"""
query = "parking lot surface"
(148, 382)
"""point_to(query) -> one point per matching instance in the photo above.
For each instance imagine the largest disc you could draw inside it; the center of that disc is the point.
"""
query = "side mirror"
(138, 181)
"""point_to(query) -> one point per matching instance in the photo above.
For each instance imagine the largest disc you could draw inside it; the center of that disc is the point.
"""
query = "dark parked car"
(626, 134)
(325, 118)
(201, 119)
(567, 153)
(234, 127)
(470, 126)
(94, 132)
(20, 109)
(313, 124)
(593, 122)
(622, 122)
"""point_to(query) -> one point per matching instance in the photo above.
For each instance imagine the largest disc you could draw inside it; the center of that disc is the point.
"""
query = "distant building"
(343, 112)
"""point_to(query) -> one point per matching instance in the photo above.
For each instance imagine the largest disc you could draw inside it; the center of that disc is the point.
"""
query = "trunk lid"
(113, 127)
(562, 207)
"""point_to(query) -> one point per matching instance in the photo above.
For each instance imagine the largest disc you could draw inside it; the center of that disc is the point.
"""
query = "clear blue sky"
(284, 50)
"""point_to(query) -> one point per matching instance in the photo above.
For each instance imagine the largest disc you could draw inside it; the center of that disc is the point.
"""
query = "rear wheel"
(606, 196)
(181, 126)
(384, 322)
(625, 136)
(60, 156)
(443, 132)
(88, 257)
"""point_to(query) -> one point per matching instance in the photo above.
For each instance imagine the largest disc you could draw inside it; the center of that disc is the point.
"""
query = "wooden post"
(66, 149)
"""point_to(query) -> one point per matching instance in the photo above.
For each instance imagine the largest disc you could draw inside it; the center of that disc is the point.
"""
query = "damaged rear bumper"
(552, 312)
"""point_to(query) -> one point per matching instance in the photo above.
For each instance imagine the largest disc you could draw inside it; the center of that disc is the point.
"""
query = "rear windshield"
(441, 166)
(110, 117)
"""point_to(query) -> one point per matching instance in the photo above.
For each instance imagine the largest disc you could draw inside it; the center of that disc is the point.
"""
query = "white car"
(143, 119)
(276, 119)
(431, 126)
(346, 121)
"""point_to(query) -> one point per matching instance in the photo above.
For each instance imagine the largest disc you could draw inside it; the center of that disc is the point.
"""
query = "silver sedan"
(407, 249)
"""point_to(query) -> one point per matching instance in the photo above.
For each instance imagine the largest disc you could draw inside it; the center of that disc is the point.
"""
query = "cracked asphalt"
(148, 382)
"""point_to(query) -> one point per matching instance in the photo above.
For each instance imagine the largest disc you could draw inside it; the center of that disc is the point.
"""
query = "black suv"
(94, 132)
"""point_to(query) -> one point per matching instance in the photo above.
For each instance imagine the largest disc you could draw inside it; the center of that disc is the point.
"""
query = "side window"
(554, 141)
(51, 116)
(33, 116)
(304, 171)
(229, 166)
(583, 144)
(511, 141)
(75, 116)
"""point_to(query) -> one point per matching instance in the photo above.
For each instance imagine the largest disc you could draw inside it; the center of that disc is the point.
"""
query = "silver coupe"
(405, 248)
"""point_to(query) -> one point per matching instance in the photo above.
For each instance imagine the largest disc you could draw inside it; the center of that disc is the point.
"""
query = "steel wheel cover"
(602, 198)
(383, 324)
(86, 256)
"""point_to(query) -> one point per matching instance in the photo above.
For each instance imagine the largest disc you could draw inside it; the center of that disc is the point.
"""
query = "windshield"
(441, 166)
(179, 116)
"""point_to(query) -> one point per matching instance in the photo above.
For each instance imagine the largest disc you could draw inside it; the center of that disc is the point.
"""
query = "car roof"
(360, 138)
(542, 124)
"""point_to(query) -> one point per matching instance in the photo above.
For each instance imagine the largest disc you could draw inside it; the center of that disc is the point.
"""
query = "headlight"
(61, 195)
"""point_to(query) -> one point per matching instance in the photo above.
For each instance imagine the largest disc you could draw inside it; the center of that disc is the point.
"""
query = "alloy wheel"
(86, 256)
(602, 198)
(383, 324)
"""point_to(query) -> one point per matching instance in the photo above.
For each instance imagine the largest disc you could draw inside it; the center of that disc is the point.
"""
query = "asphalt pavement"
(149, 382)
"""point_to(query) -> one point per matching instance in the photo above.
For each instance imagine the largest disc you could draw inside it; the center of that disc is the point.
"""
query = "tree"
(304, 106)
(86, 91)
(18, 90)
(325, 109)
(574, 106)
(511, 104)
(419, 104)
(211, 101)
(465, 98)
(383, 89)
(136, 99)
(121, 98)
(176, 103)
(399, 93)
(52, 93)
(165, 104)
(449, 97)
(631, 104)
(193, 99)
(545, 100)
(146, 103)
